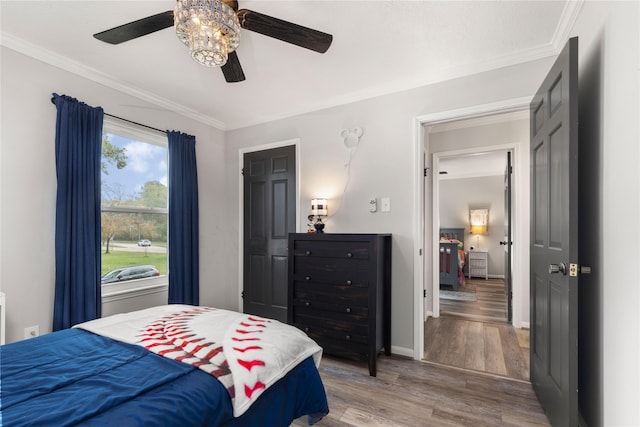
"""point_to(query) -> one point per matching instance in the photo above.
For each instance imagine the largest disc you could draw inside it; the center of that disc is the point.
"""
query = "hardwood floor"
(475, 373)
(413, 393)
(495, 348)
(476, 335)
(491, 303)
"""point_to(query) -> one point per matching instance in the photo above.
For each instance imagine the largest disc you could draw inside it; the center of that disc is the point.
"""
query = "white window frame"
(115, 291)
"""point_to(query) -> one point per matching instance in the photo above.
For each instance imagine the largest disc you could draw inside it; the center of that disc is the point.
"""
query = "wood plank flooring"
(475, 373)
(413, 393)
(491, 301)
(495, 348)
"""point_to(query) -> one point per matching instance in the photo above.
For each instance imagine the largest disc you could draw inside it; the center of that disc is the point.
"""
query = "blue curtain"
(78, 153)
(183, 220)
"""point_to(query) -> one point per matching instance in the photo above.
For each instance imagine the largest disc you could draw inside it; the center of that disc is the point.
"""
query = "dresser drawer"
(344, 295)
(332, 310)
(336, 328)
(342, 347)
(328, 249)
(342, 279)
(331, 269)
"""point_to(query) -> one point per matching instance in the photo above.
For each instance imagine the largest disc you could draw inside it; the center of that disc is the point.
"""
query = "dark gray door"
(508, 279)
(554, 240)
(269, 217)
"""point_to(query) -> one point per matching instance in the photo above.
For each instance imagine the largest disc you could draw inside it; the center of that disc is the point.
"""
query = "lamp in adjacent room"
(318, 210)
(479, 222)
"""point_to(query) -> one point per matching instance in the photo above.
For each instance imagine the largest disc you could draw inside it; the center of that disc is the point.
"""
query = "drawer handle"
(348, 337)
(307, 278)
(307, 253)
(308, 304)
(349, 255)
(348, 310)
(348, 282)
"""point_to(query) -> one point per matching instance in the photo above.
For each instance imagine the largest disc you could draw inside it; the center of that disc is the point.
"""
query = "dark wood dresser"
(340, 292)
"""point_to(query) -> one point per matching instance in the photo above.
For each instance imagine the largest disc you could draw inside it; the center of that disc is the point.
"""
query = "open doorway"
(427, 219)
(472, 200)
(502, 127)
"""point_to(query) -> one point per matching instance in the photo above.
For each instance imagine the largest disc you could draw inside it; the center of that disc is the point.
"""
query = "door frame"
(425, 221)
(435, 215)
(241, 152)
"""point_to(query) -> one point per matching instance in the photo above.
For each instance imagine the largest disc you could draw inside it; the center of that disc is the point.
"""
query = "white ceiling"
(378, 47)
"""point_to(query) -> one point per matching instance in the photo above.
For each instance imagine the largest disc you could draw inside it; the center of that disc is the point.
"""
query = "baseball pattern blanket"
(246, 353)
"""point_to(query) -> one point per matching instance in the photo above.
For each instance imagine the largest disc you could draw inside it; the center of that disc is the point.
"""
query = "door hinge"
(242, 171)
(420, 252)
(426, 171)
(242, 294)
(424, 293)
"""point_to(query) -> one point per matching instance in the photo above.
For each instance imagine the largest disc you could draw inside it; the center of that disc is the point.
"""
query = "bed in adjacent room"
(172, 365)
(452, 257)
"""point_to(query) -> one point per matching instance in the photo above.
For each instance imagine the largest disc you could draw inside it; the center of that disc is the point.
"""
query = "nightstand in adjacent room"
(478, 264)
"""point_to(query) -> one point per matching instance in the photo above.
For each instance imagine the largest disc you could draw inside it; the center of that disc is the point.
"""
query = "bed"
(166, 366)
(452, 257)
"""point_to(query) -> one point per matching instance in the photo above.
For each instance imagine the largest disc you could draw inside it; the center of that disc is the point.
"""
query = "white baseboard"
(524, 325)
(402, 351)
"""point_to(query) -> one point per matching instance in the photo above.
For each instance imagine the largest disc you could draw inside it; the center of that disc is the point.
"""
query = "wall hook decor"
(351, 137)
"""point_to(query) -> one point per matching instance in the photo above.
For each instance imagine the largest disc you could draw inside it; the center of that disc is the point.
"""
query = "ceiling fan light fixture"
(210, 28)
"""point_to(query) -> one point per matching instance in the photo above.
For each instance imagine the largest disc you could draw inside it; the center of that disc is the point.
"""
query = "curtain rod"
(127, 120)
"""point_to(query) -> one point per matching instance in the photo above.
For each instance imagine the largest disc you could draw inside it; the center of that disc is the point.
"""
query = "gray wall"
(382, 165)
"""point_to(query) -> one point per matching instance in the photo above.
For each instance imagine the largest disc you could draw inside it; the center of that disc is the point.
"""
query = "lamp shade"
(319, 207)
(478, 229)
(479, 221)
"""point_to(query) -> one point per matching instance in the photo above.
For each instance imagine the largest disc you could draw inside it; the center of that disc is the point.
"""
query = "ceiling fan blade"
(285, 31)
(136, 29)
(232, 70)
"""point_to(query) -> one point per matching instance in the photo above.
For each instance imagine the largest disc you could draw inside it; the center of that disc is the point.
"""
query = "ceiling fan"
(211, 30)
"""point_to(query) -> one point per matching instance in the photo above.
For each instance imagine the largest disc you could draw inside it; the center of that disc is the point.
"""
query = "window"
(134, 206)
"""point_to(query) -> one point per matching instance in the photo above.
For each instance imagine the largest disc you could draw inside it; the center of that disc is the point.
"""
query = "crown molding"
(567, 20)
(562, 33)
(72, 66)
(443, 74)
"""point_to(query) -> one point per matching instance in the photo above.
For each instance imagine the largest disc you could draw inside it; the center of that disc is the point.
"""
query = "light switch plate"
(386, 204)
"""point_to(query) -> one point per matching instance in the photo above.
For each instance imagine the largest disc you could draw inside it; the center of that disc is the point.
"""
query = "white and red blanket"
(246, 353)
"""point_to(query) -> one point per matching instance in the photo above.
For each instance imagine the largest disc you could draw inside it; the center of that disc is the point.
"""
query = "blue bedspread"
(74, 377)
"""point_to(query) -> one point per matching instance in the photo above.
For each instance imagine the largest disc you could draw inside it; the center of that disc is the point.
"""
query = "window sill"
(133, 288)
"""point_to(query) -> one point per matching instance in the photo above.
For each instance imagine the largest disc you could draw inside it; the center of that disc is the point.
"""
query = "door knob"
(558, 268)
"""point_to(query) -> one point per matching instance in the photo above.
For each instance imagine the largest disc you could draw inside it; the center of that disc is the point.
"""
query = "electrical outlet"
(32, 331)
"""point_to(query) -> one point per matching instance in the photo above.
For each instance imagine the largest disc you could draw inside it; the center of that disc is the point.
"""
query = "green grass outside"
(118, 258)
